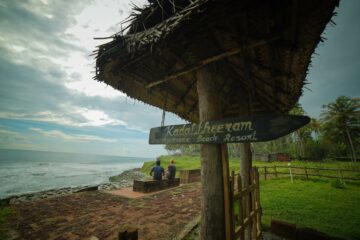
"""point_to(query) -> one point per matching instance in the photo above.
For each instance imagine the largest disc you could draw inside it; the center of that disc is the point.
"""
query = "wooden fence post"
(265, 172)
(340, 175)
(241, 209)
(258, 206)
(252, 196)
(232, 217)
(275, 171)
(306, 173)
(245, 171)
(227, 201)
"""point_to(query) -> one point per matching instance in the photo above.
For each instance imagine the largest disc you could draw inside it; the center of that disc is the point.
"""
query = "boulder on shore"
(129, 175)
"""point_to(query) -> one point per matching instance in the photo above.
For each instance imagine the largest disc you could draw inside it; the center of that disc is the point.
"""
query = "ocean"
(23, 171)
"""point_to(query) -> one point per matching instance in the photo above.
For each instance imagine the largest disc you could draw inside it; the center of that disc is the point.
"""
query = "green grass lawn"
(181, 162)
(316, 203)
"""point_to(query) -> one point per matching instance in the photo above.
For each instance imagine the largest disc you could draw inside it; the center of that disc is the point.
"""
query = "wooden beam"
(205, 62)
(192, 108)
(185, 65)
(189, 88)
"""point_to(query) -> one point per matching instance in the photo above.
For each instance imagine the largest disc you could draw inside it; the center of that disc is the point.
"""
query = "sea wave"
(34, 173)
(38, 174)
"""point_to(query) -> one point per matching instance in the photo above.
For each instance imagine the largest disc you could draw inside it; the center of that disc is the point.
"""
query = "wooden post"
(252, 195)
(212, 158)
(340, 175)
(306, 173)
(241, 208)
(258, 207)
(245, 167)
(232, 215)
(275, 172)
(245, 155)
(265, 172)
(227, 192)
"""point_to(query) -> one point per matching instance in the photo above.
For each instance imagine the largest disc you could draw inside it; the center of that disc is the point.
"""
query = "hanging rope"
(165, 103)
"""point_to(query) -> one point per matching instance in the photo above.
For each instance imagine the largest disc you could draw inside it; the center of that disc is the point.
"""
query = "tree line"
(334, 135)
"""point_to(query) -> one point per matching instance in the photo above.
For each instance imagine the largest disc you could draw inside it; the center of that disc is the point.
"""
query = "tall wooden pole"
(213, 215)
(246, 160)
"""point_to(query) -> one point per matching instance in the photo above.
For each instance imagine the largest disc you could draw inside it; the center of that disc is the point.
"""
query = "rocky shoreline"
(123, 180)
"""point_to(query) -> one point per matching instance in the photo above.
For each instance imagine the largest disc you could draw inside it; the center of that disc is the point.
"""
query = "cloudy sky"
(48, 100)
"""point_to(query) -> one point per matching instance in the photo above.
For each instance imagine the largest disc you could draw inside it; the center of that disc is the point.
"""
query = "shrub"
(338, 184)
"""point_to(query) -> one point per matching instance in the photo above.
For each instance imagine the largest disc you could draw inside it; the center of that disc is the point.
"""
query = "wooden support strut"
(245, 163)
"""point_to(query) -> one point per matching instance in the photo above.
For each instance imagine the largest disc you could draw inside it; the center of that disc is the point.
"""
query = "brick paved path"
(82, 215)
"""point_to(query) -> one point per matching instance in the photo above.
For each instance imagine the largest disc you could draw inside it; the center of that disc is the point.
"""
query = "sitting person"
(157, 171)
(171, 172)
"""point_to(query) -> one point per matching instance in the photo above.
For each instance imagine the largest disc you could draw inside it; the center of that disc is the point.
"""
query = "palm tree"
(344, 115)
(315, 127)
(298, 110)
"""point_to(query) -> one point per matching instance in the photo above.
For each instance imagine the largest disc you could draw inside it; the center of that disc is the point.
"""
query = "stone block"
(310, 234)
(283, 229)
(189, 176)
(153, 185)
(88, 189)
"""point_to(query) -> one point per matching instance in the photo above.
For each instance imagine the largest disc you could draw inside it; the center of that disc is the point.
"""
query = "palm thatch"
(260, 47)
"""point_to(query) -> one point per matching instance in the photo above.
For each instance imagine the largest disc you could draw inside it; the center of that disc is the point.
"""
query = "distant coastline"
(27, 172)
(122, 180)
(66, 153)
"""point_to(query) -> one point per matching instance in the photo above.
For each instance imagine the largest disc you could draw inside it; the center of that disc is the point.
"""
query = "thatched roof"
(260, 47)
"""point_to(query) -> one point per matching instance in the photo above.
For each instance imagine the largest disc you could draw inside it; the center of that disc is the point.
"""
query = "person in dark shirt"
(157, 172)
(171, 172)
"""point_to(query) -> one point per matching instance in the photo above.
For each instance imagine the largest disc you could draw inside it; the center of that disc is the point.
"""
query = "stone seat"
(153, 185)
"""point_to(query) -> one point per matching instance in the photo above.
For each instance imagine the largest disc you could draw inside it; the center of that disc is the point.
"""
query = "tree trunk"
(212, 214)
(353, 154)
(301, 145)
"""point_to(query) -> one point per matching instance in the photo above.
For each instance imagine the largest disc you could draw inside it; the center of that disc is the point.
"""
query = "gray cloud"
(33, 86)
(29, 25)
(25, 88)
(335, 69)
(28, 91)
(12, 139)
(71, 137)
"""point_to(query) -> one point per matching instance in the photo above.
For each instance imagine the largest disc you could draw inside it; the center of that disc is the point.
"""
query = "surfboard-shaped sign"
(259, 128)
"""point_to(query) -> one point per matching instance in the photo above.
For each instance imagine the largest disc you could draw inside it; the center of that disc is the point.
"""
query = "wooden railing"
(342, 174)
(247, 220)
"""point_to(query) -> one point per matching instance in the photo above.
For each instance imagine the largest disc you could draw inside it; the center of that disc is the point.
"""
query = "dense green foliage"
(341, 122)
(330, 136)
